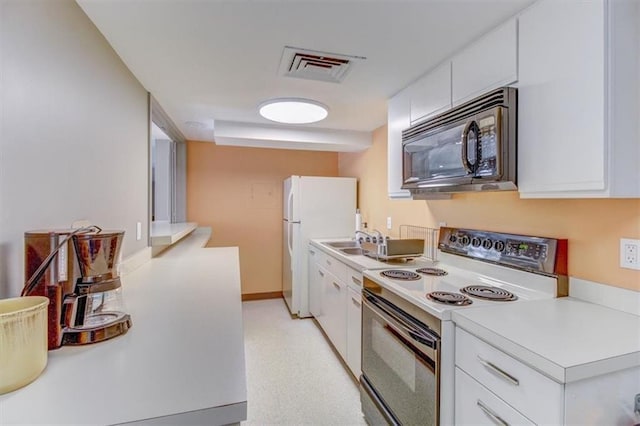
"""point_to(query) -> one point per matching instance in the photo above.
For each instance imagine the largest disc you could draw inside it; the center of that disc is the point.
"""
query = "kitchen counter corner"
(182, 362)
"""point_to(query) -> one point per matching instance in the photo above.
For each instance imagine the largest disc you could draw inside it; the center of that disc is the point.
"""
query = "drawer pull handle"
(356, 302)
(336, 285)
(357, 281)
(498, 371)
(491, 414)
(321, 273)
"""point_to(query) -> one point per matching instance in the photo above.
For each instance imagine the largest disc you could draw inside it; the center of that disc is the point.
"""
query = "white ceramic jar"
(23, 341)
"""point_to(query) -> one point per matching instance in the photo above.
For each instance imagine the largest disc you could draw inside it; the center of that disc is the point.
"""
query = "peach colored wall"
(592, 226)
(238, 192)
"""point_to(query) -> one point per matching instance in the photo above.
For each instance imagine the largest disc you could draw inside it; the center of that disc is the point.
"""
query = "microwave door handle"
(471, 125)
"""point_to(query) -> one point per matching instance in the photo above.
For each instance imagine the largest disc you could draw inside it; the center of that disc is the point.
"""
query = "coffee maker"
(77, 269)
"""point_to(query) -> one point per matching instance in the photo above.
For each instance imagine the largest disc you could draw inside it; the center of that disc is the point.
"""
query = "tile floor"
(293, 376)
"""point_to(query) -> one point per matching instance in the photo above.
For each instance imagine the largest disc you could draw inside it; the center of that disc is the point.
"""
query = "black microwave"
(471, 147)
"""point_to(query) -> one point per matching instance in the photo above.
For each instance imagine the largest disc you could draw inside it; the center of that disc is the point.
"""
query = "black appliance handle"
(471, 126)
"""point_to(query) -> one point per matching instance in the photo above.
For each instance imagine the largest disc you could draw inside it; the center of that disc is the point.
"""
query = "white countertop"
(565, 338)
(182, 361)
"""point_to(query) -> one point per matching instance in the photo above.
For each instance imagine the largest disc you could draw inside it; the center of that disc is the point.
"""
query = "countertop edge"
(224, 415)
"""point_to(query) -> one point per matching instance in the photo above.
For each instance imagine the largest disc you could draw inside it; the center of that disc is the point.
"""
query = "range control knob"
(487, 244)
(464, 240)
(499, 246)
(453, 238)
(475, 241)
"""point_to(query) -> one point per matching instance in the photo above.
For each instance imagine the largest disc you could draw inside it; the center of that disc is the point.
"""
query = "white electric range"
(407, 334)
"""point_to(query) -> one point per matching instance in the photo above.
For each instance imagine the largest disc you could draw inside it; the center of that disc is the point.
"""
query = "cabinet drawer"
(354, 279)
(476, 405)
(317, 256)
(336, 267)
(534, 395)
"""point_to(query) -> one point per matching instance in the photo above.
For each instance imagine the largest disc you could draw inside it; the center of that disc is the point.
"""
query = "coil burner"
(398, 274)
(448, 298)
(432, 271)
(489, 293)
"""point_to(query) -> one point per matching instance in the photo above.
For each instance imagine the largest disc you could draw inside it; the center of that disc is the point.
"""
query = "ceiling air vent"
(316, 65)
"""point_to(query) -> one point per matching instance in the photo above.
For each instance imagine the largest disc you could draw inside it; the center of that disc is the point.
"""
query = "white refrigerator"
(313, 207)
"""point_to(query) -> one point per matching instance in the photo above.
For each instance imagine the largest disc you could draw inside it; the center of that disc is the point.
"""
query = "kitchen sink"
(352, 250)
(343, 244)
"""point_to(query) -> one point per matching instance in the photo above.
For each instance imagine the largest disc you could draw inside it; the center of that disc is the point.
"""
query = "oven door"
(400, 365)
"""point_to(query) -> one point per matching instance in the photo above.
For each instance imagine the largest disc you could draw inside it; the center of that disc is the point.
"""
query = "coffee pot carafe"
(77, 269)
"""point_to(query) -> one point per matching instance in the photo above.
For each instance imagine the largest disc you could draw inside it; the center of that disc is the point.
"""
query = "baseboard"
(262, 296)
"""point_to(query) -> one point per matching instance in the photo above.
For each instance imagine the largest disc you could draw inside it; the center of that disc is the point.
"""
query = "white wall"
(73, 134)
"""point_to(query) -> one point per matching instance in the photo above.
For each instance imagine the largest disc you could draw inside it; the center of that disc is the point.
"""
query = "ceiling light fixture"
(293, 110)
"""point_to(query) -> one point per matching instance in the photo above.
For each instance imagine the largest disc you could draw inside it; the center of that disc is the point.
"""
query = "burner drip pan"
(489, 293)
(448, 298)
(399, 274)
(432, 271)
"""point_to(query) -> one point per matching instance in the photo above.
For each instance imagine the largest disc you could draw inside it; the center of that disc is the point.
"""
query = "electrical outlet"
(629, 253)
(389, 222)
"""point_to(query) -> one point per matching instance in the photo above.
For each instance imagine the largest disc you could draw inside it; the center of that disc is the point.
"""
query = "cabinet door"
(334, 311)
(320, 308)
(315, 282)
(489, 63)
(398, 119)
(432, 93)
(354, 331)
(561, 97)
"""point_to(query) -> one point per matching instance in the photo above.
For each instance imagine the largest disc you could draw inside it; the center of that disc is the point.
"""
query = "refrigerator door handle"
(290, 239)
(290, 215)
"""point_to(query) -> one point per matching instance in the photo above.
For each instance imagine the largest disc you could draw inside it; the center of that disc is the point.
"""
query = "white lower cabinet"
(492, 387)
(354, 330)
(315, 282)
(534, 395)
(335, 300)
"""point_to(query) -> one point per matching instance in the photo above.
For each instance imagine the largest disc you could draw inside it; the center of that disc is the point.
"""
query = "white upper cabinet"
(487, 64)
(578, 99)
(431, 94)
(398, 109)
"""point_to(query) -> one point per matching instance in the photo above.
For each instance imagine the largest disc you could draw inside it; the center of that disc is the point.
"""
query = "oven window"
(435, 156)
(405, 381)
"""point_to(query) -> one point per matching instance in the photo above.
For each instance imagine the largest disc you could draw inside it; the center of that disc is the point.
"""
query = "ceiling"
(216, 60)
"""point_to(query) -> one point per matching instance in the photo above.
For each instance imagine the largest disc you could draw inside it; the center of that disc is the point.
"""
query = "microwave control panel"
(534, 254)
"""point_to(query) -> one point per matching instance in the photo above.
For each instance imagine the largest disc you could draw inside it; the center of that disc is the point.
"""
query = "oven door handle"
(428, 343)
